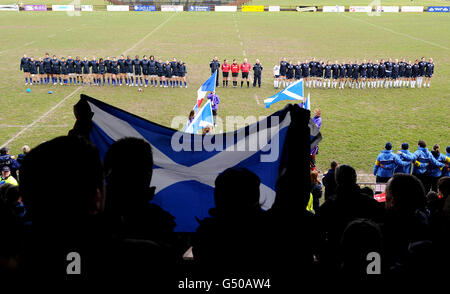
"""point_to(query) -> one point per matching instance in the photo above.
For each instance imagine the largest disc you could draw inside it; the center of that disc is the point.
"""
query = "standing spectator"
(21, 157)
(215, 65)
(329, 180)
(9, 161)
(245, 69)
(257, 69)
(316, 189)
(423, 161)
(318, 117)
(215, 100)
(191, 117)
(6, 177)
(404, 155)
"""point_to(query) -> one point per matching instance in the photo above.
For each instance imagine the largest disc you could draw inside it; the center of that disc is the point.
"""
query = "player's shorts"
(388, 74)
(327, 76)
(407, 75)
(64, 72)
(168, 75)
(102, 71)
(55, 71)
(245, 75)
(348, 74)
(145, 72)
(355, 77)
(225, 74)
(182, 74)
(297, 77)
(159, 74)
(95, 71)
(137, 73)
(282, 73)
(78, 71)
(123, 70)
(276, 76)
(289, 76)
(115, 71)
(428, 75)
(234, 74)
(363, 76)
(175, 74)
(305, 74)
(381, 75)
(394, 76)
(47, 70)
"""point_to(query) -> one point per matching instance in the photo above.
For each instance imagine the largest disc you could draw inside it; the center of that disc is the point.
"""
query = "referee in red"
(225, 70)
(245, 69)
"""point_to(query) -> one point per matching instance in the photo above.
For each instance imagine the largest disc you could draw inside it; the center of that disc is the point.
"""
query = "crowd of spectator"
(102, 211)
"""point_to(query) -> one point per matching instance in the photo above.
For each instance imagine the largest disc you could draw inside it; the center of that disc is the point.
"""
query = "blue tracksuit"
(423, 161)
(389, 161)
(405, 156)
(447, 172)
(435, 171)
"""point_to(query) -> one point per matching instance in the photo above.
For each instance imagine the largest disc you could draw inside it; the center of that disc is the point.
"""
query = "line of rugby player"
(389, 74)
(116, 72)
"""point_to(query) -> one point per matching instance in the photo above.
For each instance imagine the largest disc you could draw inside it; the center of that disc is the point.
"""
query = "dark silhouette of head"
(360, 238)
(388, 146)
(405, 194)
(333, 164)
(62, 181)
(444, 187)
(345, 176)
(237, 192)
(129, 158)
(405, 146)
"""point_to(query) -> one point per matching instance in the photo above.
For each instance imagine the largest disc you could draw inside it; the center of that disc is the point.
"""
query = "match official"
(257, 70)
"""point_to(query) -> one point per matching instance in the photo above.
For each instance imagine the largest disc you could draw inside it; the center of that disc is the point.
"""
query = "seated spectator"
(360, 238)
(316, 189)
(13, 200)
(406, 221)
(349, 203)
(128, 198)
(6, 177)
(329, 180)
(25, 150)
(233, 239)
(65, 214)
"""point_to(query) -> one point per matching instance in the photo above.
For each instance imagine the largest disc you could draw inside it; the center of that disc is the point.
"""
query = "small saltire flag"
(202, 119)
(307, 104)
(209, 85)
(185, 165)
(292, 92)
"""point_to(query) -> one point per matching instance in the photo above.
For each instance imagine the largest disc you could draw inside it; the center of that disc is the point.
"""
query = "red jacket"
(226, 67)
(245, 67)
(234, 68)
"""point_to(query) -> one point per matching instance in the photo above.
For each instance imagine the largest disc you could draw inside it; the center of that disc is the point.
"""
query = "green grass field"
(356, 123)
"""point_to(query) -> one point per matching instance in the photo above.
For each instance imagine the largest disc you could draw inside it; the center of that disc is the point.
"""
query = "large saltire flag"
(201, 120)
(307, 104)
(209, 85)
(186, 165)
(293, 92)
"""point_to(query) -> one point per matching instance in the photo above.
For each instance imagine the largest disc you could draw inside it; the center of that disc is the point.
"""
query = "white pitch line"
(149, 34)
(29, 43)
(397, 33)
(257, 100)
(39, 119)
(22, 126)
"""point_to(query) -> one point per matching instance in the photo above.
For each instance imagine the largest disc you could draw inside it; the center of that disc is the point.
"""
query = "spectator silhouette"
(360, 238)
(293, 232)
(349, 203)
(329, 180)
(83, 115)
(65, 213)
(406, 224)
(129, 193)
(233, 239)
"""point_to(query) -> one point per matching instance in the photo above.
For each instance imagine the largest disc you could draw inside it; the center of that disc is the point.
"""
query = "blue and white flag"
(209, 85)
(186, 165)
(202, 119)
(293, 92)
(307, 104)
